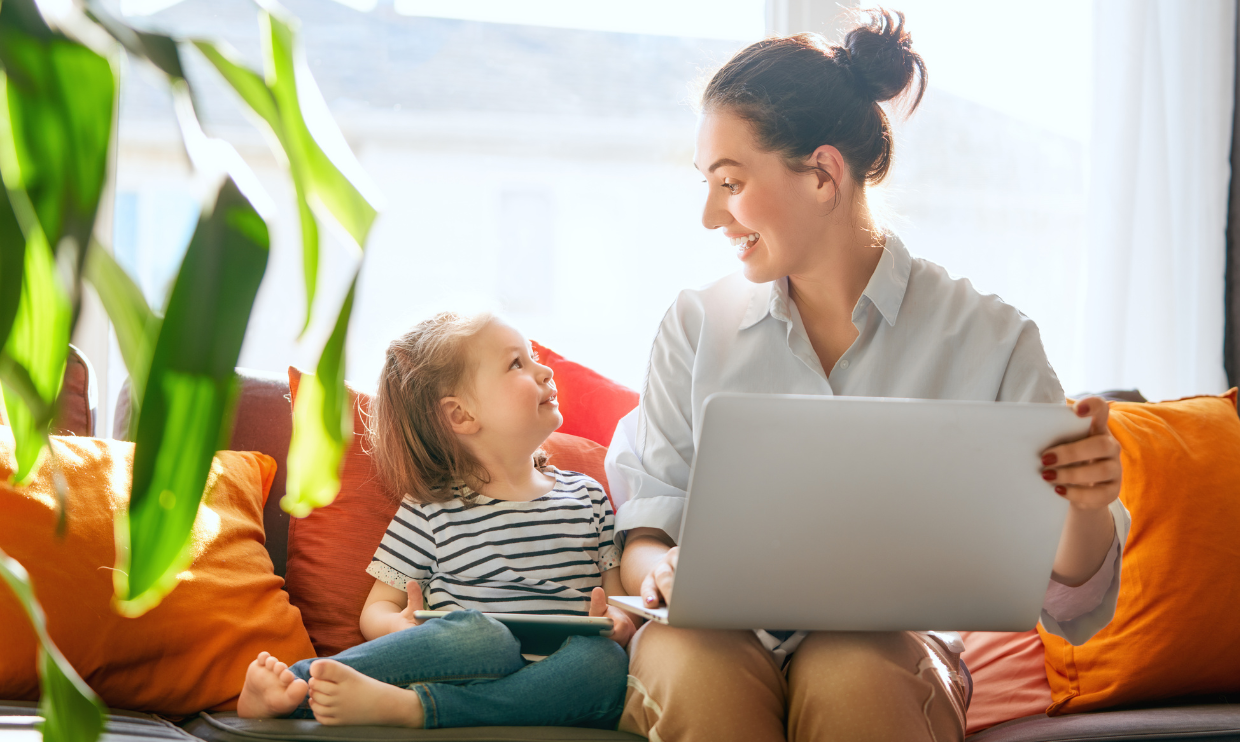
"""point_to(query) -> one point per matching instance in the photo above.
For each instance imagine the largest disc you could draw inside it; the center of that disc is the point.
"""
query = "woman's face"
(773, 216)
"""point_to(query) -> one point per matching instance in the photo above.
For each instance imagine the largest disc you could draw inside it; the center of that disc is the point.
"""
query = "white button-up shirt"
(922, 334)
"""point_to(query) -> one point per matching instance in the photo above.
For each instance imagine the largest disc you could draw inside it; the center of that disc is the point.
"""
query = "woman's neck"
(828, 287)
(511, 475)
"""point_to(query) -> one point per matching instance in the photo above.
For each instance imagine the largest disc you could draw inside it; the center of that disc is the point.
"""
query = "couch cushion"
(17, 720)
(1214, 722)
(229, 728)
(1175, 631)
(188, 653)
(263, 423)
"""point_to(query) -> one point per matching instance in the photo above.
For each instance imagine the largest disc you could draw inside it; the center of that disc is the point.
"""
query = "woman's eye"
(516, 363)
(731, 187)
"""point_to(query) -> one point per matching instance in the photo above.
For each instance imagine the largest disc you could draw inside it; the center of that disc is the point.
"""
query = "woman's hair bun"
(879, 54)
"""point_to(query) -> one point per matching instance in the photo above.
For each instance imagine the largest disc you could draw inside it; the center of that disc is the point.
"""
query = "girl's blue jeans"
(468, 671)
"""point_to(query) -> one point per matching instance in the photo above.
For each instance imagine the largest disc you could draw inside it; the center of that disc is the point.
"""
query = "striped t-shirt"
(499, 556)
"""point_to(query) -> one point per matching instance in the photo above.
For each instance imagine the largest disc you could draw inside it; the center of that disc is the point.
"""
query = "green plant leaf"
(187, 402)
(137, 327)
(330, 187)
(56, 113)
(322, 425)
(12, 265)
(60, 98)
(71, 711)
(32, 362)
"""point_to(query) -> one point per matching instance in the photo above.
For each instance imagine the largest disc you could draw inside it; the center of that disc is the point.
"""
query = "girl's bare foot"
(341, 695)
(270, 689)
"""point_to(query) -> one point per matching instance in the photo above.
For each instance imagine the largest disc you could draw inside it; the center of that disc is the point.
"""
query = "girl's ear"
(830, 169)
(458, 417)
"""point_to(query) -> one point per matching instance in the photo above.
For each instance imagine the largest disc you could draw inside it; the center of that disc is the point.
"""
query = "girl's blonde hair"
(407, 434)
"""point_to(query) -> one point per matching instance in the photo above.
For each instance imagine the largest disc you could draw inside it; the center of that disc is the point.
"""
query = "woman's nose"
(714, 215)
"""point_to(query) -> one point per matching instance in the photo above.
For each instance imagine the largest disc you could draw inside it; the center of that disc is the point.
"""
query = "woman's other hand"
(657, 587)
(1086, 472)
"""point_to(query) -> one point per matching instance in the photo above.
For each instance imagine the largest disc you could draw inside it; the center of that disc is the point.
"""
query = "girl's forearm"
(379, 619)
(643, 548)
(1083, 546)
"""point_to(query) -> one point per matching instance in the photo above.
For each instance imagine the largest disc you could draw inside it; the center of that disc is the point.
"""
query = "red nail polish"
(1050, 459)
(1049, 475)
(1084, 409)
(1061, 490)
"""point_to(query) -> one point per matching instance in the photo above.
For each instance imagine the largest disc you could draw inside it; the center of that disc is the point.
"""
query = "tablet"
(540, 635)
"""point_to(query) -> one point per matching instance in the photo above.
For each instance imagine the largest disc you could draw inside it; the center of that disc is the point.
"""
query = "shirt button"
(844, 363)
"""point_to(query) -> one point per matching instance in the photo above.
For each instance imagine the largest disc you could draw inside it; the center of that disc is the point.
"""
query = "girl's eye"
(516, 363)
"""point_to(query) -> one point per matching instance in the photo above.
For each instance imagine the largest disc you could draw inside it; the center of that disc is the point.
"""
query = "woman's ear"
(458, 416)
(829, 168)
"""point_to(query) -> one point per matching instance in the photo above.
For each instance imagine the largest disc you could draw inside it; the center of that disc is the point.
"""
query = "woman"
(790, 138)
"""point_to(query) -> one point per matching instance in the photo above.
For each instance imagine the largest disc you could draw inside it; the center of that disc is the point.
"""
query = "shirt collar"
(885, 290)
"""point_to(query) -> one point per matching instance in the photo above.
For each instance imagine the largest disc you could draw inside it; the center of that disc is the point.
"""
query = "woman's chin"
(757, 272)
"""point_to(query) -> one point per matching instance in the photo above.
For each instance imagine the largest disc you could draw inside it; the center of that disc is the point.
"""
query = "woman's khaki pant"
(689, 685)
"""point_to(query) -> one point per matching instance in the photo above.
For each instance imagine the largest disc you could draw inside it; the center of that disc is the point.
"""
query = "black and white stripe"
(543, 556)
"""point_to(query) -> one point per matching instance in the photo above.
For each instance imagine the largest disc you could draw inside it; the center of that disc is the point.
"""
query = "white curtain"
(1159, 176)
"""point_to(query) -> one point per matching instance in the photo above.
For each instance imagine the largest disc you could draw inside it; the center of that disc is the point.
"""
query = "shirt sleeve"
(651, 452)
(1077, 613)
(610, 543)
(1029, 376)
(407, 551)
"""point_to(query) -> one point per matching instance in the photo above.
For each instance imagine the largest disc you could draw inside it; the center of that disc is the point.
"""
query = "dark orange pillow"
(591, 403)
(1175, 631)
(1009, 676)
(185, 655)
(330, 549)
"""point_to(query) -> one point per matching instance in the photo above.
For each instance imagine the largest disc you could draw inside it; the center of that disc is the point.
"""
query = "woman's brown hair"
(799, 92)
(414, 448)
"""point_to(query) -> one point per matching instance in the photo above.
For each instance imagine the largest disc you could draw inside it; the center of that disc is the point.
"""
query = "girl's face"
(512, 396)
(772, 215)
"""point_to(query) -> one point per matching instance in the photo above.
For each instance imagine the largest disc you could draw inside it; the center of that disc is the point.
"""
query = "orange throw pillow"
(330, 549)
(189, 653)
(591, 403)
(1175, 631)
(1009, 676)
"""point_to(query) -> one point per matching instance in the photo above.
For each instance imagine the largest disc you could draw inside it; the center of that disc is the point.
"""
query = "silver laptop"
(864, 514)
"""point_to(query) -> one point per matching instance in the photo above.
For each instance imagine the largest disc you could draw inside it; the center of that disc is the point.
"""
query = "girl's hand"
(622, 625)
(405, 619)
(1086, 472)
(657, 587)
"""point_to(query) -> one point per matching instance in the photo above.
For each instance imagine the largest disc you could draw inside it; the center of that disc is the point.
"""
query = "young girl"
(485, 525)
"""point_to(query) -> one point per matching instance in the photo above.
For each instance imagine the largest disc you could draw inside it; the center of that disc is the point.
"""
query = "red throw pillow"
(330, 549)
(591, 403)
(1009, 676)
(1175, 631)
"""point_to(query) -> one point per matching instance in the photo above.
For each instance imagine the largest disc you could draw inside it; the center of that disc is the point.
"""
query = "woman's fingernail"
(1084, 409)
(649, 599)
(1061, 490)
(1049, 475)
(1050, 459)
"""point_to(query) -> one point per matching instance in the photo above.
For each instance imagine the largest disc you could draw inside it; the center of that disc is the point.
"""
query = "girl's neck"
(831, 284)
(512, 476)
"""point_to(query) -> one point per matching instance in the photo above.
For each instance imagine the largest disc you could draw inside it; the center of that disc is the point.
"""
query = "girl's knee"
(474, 634)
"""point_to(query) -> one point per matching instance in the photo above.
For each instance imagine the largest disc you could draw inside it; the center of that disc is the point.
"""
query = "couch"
(263, 423)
